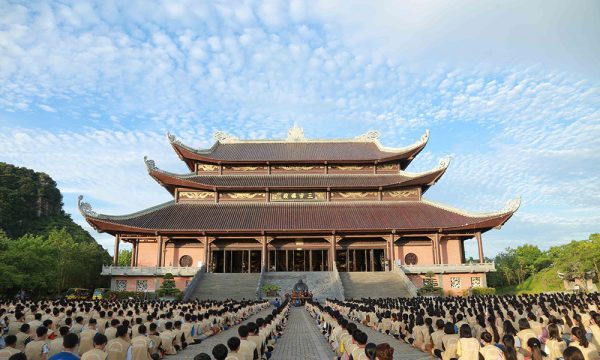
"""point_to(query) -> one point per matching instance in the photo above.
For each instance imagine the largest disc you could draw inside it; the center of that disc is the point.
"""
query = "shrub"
(430, 291)
(168, 287)
(483, 291)
(124, 295)
(270, 288)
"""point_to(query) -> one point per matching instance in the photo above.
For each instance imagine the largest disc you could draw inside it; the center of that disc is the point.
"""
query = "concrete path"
(302, 339)
(401, 349)
(207, 345)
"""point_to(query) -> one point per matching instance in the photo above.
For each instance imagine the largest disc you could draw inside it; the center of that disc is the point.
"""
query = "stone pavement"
(302, 339)
(402, 350)
(221, 338)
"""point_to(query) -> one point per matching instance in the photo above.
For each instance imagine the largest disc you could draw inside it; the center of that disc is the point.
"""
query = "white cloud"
(110, 80)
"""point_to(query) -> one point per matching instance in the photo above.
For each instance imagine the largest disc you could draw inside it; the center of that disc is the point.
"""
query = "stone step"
(318, 282)
(223, 286)
(372, 284)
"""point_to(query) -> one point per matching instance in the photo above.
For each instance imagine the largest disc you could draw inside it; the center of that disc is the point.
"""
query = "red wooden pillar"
(206, 245)
(263, 261)
(159, 242)
(332, 251)
(392, 250)
(116, 255)
(480, 247)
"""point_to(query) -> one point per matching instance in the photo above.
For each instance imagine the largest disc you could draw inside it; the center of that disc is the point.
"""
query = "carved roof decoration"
(85, 208)
(253, 181)
(296, 147)
(356, 216)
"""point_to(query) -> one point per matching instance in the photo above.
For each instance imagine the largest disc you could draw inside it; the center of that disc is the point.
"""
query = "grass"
(544, 281)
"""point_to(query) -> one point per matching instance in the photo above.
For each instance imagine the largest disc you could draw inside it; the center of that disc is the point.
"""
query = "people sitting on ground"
(486, 325)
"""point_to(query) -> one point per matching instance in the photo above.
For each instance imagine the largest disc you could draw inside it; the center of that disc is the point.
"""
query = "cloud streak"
(87, 89)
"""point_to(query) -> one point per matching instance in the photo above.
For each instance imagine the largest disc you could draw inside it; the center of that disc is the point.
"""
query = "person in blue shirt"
(276, 303)
(70, 342)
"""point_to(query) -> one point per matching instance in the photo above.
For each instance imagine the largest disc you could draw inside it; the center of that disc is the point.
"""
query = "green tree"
(125, 258)
(34, 261)
(168, 287)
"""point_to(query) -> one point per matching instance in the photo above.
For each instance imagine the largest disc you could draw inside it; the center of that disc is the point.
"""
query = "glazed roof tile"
(326, 216)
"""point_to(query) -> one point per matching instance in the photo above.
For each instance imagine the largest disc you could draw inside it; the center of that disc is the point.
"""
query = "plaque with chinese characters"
(298, 196)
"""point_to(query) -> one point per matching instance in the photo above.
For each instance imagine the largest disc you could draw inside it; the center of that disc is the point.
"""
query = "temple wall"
(424, 252)
(147, 253)
(175, 250)
(149, 283)
(462, 282)
(451, 251)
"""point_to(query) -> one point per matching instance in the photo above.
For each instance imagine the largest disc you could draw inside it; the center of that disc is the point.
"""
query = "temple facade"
(297, 204)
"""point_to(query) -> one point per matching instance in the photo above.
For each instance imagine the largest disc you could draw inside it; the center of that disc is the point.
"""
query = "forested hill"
(42, 251)
(30, 203)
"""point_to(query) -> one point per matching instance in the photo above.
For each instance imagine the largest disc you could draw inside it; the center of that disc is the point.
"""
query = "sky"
(509, 89)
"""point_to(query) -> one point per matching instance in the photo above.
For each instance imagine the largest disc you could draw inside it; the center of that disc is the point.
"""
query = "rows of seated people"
(532, 327)
(345, 338)
(256, 340)
(113, 330)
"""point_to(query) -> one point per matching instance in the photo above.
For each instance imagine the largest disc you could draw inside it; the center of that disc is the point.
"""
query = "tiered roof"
(298, 217)
(296, 181)
(172, 217)
(297, 149)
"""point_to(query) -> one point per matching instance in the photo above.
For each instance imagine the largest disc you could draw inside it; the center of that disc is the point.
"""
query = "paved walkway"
(221, 338)
(401, 349)
(302, 339)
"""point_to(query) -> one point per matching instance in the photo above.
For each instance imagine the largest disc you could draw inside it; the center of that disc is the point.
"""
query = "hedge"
(483, 291)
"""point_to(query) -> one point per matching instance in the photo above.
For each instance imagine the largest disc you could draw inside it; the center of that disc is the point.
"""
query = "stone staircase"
(321, 283)
(223, 286)
(373, 284)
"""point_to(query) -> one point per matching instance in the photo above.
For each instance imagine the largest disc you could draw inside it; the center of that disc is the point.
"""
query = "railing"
(449, 268)
(337, 281)
(191, 288)
(409, 285)
(148, 270)
(260, 282)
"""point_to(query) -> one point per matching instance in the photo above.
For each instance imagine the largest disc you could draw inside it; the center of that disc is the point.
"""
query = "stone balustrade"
(449, 268)
(148, 270)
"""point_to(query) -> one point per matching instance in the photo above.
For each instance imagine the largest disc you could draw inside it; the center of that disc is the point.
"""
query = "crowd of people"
(131, 330)
(531, 327)
(346, 339)
(256, 340)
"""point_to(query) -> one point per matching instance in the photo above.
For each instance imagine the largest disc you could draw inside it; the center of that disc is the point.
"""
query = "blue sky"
(511, 90)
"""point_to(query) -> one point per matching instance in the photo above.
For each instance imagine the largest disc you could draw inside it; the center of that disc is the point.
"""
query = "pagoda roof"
(231, 218)
(288, 181)
(297, 149)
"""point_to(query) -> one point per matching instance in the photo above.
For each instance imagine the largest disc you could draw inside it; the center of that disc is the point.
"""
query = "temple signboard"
(298, 196)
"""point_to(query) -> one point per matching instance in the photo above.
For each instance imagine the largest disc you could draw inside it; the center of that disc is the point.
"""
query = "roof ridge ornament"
(512, 205)
(150, 164)
(173, 139)
(296, 134)
(444, 162)
(424, 137)
(371, 135)
(225, 138)
(85, 208)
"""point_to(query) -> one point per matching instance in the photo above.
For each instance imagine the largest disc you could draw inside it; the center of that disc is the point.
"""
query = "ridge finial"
(85, 208)
(150, 164)
(444, 162)
(296, 133)
(512, 205)
(371, 135)
(223, 137)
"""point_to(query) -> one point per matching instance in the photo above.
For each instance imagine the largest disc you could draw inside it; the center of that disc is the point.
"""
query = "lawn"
(544, 281)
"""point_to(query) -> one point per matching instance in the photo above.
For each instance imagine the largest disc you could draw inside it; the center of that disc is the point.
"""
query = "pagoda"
(298, 204)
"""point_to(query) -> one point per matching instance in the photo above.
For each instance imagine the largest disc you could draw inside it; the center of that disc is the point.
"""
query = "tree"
(168, 287)
(125, 258)
(34, 261)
